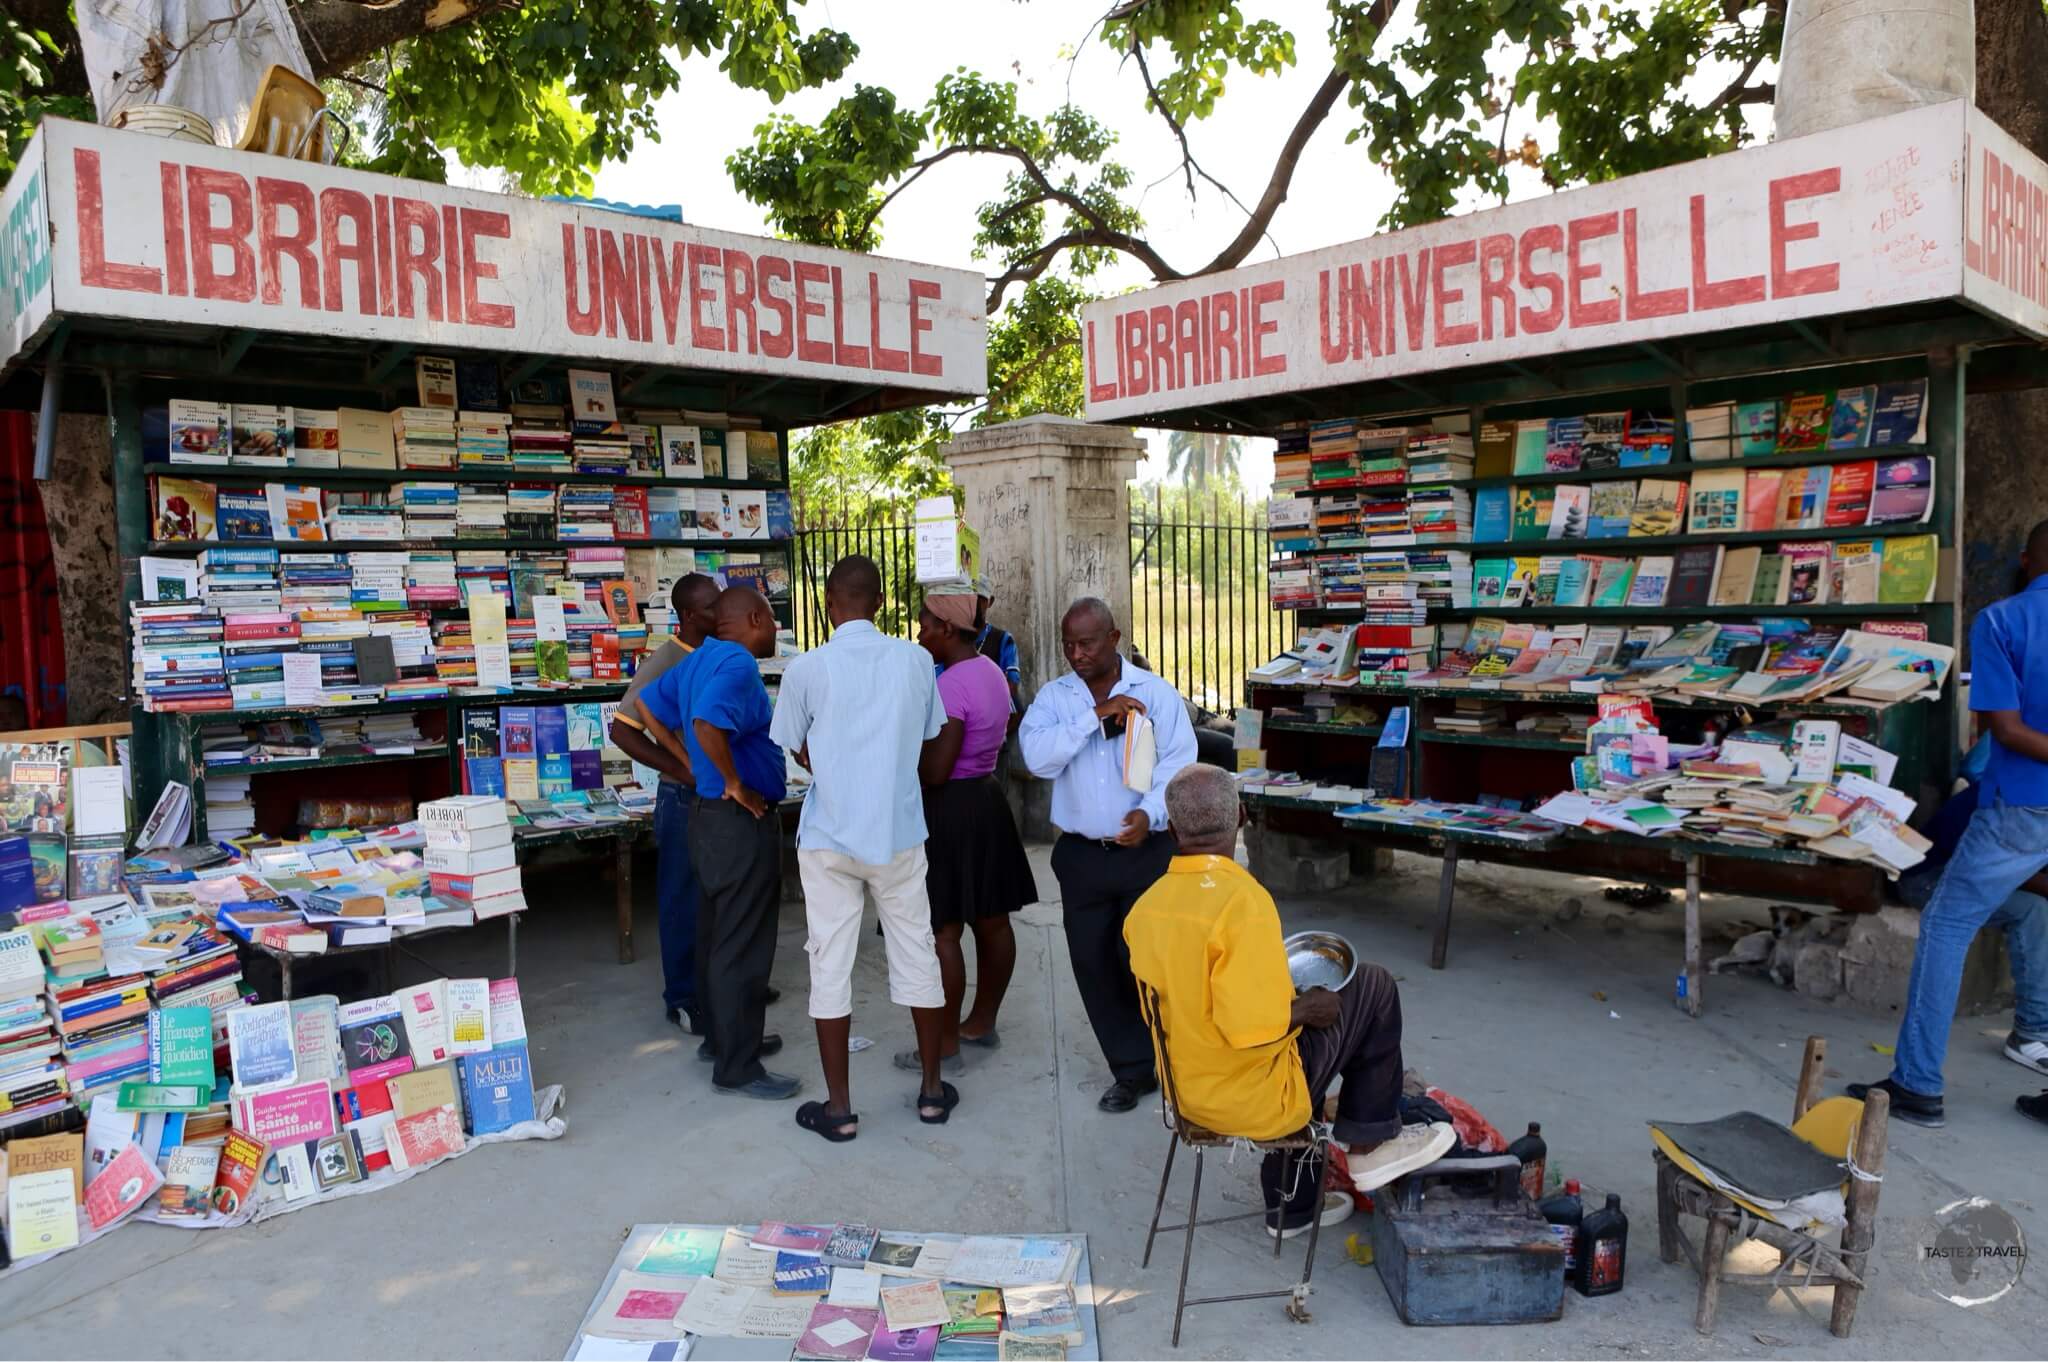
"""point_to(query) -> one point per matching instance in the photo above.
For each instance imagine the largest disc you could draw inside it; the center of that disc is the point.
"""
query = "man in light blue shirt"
(857, 712)
(1113, 841)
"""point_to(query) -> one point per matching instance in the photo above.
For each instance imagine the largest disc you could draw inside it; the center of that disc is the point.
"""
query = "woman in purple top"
(977, 873)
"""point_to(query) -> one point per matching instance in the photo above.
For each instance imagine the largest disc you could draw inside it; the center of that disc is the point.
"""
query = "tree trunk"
(2004, 492)
(78, 501)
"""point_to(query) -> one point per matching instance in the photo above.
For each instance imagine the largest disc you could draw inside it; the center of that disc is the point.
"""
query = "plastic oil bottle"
(1566, 1214)
(1603, 1250)
(1535, 1155)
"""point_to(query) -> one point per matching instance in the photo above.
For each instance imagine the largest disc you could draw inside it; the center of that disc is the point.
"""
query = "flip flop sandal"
(947, 1099)
(813, 1116)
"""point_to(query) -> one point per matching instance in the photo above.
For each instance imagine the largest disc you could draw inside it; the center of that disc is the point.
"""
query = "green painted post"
(1944, 737)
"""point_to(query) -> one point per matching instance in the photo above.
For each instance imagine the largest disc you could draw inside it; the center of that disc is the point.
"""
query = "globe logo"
(1971, 1253)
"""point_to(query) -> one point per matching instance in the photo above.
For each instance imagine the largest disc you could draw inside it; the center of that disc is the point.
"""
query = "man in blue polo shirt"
(2005, 844)
(713, 706)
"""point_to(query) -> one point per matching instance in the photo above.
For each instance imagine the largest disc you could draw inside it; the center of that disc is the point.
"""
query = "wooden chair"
(1313, 1137)
(289, 117)
(1809, 1260)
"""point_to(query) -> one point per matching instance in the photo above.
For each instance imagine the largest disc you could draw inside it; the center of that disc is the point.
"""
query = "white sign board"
(172, 231)
(1860, 217)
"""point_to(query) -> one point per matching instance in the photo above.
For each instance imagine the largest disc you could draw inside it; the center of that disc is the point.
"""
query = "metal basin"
(1319, 960)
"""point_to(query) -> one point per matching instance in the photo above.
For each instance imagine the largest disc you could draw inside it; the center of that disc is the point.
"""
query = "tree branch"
(1187, 154)
(1036, 263)
(1289, 157)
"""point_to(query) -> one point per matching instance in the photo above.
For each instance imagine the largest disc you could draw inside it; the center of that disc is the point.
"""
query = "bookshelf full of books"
(366, 587)
(1743, 555)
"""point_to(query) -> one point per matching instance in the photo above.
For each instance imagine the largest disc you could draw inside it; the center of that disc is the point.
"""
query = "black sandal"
(814, 1117)
(947, 1099)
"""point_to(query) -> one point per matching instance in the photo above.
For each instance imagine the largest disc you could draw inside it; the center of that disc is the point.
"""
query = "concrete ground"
(498, 1253)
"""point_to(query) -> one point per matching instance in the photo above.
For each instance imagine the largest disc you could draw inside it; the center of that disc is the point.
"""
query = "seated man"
(1248, 1057)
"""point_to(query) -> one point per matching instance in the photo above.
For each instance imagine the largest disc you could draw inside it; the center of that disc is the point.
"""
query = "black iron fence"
(894, 549)
(1199, 612)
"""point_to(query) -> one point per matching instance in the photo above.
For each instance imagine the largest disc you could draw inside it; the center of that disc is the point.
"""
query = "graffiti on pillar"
(1001, 508)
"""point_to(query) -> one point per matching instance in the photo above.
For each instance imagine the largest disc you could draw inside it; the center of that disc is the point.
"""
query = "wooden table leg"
(1446, 887)
(1693, 972)
(284, 968)
(511, 945)
(622, 887)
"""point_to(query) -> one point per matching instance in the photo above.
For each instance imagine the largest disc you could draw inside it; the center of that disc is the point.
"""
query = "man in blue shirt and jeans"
(713, 708)
(2005, 844)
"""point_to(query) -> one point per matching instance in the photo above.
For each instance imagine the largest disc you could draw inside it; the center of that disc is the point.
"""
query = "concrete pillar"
(1047, 495)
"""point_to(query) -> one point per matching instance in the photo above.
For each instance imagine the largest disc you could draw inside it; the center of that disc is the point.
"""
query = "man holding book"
(1250, 1057)
(1109, 803)
(2004, 846)
(714, 699)
(858, 711)
(675, 894)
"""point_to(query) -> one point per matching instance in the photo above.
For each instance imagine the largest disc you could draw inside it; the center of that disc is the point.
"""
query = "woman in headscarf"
(977, 872)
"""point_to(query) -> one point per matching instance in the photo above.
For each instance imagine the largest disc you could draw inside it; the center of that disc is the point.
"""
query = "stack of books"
(430, 580)
(230, 808)
(469, 854)
(586, 512)
(315, 581)
(1290, 524)
(1291, 584)
(1473, 714)
(483, 439)
(1439, 457)
(480, 511)
(1340, 520)
(530, 511)
(1440, 514)
(429, 509)
(1332, 454)
(377, 581)
(539, 437)
(1340, 579)
(1290, 461)
(367, 521)
(102, 1030)
(426, 437)
(240, 579)
(604, 449)
(32, 1081)
(178, 663)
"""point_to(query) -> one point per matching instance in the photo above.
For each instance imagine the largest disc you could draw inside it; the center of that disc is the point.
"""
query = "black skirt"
(975, 860)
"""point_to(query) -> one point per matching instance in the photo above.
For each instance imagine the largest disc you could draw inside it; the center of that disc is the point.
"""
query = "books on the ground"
(1045, 1311)
(798, 1274)
(497, 1089)
(42, 1212)
(189, 1174)
(639, 1307)
(421, 1138)
(130, 1179)
(469, 1016)
(260, 1049)
(838, 1331)
(682, 1251)
(373, 1039)
(239, 1168)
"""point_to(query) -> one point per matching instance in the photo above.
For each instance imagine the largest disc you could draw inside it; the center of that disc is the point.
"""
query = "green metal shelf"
(320, 763)
(1645, 543)
(1503, 739)
(382, 477)
(429, 545)
(1328, 730)
(1682, 468)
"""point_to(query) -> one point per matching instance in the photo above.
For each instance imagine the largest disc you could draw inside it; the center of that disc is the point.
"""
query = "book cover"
(508, 1018)
(1853, 568)
(798, 1274)
(764, 456)
(469, 1016)
(1849, 492)
(297, 514)
(436, 1085)
(1738, 575)
(1649, 440)
(424, 1008)
(1600, 439)
(1907, 570)
(1489, 580)
(1717, 501)
(1772, 583)
(1805, 499)
(198, 432)
(261, 435)
(1574, 581)
(1710, 432)
(1612, 586)
(123, 1185)
(241, 514)
(905, 1345)
(681, 452)
(365, 439)
(1806, 573)
(42, 1213)
(1609, 510)
(1652, 582)
(260, 1051)
(682, 1251)
(1660, 508)
(181, 1046)
(373, 1040)
(1490, 515)
(1902, 491)
(1756, 428)
(1694, 569)
(1532, 509)
(780, 1236)
(837, 1331)
(435, 376)
(1532, 439)
(850, 1245)
(1899, 414)
(184, 510)
(1493, 453)
(1849, 426)
(240, 1166)
(1803, 423)
(497, 1089)
(316, 438)
(477, 388)
(1044, 1311)
(591, 402)
(1569, 508)
(1563, 444)
(1762, 493)
(421, 1138)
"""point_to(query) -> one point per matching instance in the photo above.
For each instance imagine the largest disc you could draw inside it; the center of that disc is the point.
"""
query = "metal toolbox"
(1447, 1256)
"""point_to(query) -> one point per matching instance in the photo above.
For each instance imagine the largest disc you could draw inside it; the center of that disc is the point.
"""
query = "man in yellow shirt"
(1248, 1056)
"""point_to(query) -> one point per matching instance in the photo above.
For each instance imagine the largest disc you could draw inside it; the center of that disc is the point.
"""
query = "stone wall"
(78, 499)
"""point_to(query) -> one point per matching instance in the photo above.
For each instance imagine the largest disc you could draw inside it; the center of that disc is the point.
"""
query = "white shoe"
(1337, 1208)
(2032, 1054)
(1417, 1146)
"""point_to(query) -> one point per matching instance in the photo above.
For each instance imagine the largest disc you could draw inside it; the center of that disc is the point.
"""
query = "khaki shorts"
(835, 893)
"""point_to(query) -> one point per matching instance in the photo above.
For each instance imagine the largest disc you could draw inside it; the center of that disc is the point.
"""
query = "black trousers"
(1365, 1048)
(738, 861)
(1098, 885)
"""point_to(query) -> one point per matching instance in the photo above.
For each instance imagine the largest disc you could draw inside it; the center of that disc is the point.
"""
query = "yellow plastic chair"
(288, 118)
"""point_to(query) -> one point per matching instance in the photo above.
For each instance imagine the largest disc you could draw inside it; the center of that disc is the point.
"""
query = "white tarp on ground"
(547, 1124)
(217, 51)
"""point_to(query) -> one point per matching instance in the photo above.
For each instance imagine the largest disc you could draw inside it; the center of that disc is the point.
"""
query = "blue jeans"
(675, 894)
(2002, 848)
